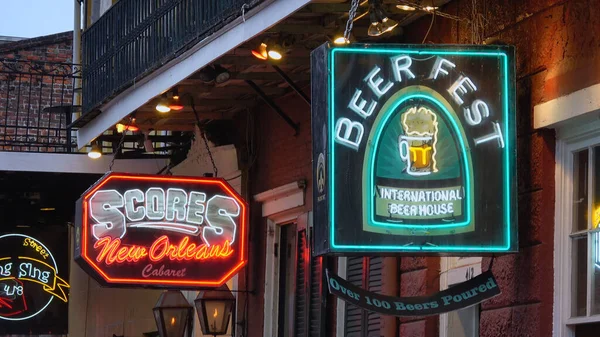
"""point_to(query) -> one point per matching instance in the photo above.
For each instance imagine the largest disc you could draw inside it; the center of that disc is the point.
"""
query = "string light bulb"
(340, 40)
(406, 8)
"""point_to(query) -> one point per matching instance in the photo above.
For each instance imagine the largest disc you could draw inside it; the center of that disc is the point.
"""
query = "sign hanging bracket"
(273, 105)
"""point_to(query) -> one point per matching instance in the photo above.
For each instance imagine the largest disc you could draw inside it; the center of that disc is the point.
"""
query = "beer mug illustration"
(417, 146)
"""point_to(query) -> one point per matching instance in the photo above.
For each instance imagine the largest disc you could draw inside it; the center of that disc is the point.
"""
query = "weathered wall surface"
(283, 158)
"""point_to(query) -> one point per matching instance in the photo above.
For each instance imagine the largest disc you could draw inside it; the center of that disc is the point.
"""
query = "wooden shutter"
(363, 272)
(374, 284)
(309, 305)
(316, 308)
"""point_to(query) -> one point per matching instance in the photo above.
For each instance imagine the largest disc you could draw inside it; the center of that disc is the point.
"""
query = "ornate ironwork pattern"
(36, 106)
(135, 37)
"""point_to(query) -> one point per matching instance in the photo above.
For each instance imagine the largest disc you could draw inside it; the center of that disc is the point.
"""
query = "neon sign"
(161, 231)
(29, 278)
(419, 144)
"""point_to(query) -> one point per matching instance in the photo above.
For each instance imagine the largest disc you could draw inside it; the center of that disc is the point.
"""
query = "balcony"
(135, 37)
(36, 106)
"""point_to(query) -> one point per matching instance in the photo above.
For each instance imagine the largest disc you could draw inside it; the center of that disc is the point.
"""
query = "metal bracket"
(291, 83)
(273, 105)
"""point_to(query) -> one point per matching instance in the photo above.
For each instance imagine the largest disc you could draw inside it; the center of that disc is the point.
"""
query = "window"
(364, 272)
(577, 235)
(298, 300)
(584, 233)
(463, 322)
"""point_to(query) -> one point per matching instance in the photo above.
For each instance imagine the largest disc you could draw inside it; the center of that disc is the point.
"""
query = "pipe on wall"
(389, 287)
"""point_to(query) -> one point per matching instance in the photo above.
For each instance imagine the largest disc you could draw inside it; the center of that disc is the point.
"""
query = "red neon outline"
(224, 185)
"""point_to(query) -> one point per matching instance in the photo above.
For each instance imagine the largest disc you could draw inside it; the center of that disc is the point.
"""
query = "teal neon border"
(507, 151)
(382, 124)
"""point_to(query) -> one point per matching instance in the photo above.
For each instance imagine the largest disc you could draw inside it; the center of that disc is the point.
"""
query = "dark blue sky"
(31, 18)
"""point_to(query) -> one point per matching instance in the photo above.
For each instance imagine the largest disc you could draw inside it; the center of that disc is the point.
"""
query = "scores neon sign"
(162, 231)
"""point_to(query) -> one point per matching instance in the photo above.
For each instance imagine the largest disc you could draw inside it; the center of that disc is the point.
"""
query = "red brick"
(521, 321)
(427, 327)
(523, 278)
(536, 218)
(413, 329)
(535, 161)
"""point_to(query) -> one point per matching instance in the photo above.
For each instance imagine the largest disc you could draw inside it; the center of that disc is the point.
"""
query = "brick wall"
(558, 52)
(35, 75)
(283, 158)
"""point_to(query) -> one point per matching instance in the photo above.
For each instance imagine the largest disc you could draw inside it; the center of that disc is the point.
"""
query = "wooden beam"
(230, 92)
(203, 104)
(253, 76)
(153, 117)
(251, 60)
(299, 29)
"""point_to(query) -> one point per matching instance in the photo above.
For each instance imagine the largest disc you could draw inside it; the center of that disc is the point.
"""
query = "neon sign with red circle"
(161, 231)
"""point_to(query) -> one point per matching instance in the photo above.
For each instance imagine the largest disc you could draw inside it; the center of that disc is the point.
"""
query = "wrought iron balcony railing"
(36, 106)
(135, 37)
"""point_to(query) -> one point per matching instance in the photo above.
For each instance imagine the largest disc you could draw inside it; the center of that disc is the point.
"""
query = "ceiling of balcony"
(306, 29)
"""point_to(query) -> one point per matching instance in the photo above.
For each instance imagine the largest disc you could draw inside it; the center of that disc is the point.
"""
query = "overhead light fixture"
(380, 22)
(95, 151)
(47, 209)
(122, 127)
(275, 52)
(163, 104)
(261, 52)
(406, 8)
(174, 103)
(207, 74)
(430, 8)
(222, 74)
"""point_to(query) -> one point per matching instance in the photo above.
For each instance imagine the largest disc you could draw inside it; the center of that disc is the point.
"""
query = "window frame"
(570, 140)
(452, 271)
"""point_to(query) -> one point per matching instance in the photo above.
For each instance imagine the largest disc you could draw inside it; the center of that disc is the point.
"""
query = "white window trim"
(452, 271)
(280, 206)
(340, 323)
(569, 139)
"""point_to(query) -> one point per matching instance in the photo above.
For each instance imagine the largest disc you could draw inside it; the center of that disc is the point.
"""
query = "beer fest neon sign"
(429, 131)
(29, 278)
(162, 231)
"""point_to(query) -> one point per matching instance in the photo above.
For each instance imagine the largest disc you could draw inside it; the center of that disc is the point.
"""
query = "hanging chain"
(351, 16)
(212, 160)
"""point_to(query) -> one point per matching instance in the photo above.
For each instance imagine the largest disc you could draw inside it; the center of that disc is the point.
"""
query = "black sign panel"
(33, 282)
(462, 295)
(414, 149)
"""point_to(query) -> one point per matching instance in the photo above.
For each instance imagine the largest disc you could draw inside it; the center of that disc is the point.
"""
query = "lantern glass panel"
(174, 321)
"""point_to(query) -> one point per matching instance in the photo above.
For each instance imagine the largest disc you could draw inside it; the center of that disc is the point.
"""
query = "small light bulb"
(340, 40)
(162, 108)
(405, 8)
(275, 55)
(430, 8)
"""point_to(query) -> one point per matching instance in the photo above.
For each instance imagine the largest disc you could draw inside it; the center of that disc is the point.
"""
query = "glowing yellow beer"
(421, 156)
